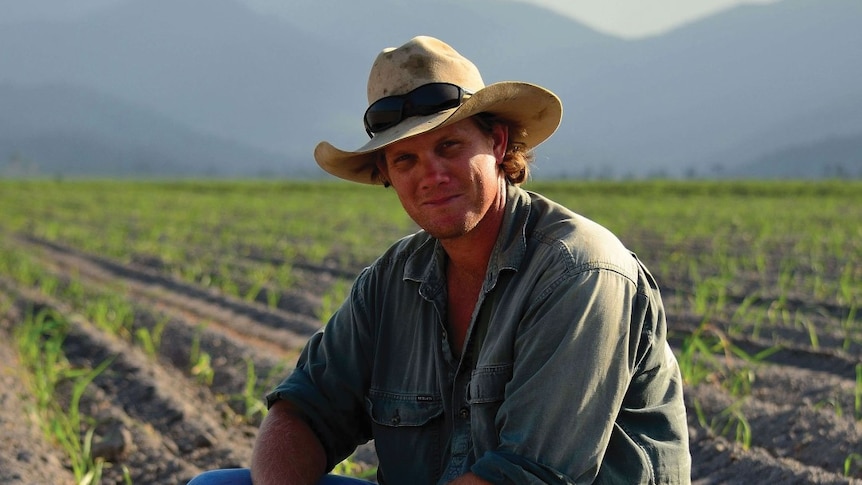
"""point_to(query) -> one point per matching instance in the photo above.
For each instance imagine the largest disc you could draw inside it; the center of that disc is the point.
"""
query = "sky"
(639, 18)
(622, 18)
(629, 19)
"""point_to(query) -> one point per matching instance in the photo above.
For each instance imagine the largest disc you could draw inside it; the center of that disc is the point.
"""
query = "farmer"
(510, 341)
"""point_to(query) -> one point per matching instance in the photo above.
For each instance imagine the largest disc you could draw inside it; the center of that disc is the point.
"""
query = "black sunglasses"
(424, 100)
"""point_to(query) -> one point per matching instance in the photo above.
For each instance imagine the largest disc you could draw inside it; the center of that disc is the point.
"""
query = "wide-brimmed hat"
(425, 60)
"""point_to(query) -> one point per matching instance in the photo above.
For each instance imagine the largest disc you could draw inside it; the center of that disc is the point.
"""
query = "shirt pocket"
(402, 409)
(407, 434)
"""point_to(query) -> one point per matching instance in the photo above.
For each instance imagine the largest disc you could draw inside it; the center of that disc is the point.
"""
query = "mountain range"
(164, 88)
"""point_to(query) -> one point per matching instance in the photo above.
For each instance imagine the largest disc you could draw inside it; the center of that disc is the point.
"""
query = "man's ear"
(500, 137)
(382, 170)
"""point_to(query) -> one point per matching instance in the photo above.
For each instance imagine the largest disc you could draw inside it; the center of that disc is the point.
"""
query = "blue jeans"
(242, 476)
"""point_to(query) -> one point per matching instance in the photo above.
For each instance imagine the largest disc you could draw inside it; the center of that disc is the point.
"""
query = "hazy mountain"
(63, 130)
(838, 157)
(721, 93)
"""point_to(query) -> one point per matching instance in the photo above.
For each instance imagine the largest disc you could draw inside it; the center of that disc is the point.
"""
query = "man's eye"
(400, 159)
(447, 145)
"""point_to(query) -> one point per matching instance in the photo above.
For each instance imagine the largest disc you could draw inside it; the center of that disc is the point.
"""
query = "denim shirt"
(568, 380)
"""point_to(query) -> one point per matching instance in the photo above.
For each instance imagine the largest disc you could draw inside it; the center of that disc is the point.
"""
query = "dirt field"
(156, 423)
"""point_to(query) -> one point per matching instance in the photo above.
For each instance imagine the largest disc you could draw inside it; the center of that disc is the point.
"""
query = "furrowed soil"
(789, 415)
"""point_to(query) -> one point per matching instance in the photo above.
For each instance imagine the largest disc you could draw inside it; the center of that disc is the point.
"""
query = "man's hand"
(286, 449)
(469, 479)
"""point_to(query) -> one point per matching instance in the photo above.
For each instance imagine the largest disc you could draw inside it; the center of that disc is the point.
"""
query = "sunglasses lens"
(432, 98)
(384, 113)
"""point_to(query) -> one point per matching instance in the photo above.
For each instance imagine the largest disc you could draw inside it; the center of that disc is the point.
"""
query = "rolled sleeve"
(330, 381)
(500, 467)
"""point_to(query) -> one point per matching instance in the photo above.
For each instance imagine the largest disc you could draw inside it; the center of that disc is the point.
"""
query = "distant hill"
(728, 91)
(839, 158)
(63, 130)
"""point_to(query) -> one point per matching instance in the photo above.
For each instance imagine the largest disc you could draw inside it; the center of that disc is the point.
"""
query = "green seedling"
(151, 340)
(200, 362)
(40, 345)
(849, 469)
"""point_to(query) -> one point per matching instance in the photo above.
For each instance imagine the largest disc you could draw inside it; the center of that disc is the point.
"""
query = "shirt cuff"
(505, 467)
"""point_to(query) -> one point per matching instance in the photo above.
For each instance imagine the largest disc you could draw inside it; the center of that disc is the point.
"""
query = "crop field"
(142, 322)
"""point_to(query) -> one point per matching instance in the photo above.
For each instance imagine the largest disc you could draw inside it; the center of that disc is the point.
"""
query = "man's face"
(448, 179)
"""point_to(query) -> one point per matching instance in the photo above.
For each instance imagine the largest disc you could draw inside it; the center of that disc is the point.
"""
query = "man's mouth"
(442, 200)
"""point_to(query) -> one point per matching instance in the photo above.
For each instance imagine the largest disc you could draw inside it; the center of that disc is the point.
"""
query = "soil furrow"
(297, 323)
(717, 461)
(229, 340)
(164, 402)
(794, 353)
(271, 330)
(159, 425)
(775, 422)
(34, 460)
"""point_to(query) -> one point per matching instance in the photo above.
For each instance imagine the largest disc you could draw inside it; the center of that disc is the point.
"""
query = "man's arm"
(469, 479)
(286, 449)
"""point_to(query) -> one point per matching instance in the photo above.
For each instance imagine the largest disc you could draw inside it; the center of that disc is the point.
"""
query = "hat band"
(425, 100)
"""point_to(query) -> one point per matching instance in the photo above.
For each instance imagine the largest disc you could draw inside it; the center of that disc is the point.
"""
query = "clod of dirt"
(115, 444)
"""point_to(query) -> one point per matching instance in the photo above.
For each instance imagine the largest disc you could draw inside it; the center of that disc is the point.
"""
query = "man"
(510, 341)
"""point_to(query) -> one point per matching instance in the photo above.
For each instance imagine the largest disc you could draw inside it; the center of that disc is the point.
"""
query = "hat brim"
(538, 110)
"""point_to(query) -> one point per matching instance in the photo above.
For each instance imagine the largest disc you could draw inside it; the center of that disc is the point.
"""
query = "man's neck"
(468, 258)
(470, 253)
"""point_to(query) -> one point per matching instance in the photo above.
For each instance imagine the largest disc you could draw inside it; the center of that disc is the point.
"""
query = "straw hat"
(425, 60)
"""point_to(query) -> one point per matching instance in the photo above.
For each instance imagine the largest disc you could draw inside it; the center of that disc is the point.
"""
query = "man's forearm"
(469, 479)
(286, 449)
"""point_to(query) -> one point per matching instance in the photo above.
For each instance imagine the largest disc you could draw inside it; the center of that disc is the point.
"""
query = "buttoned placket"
(461, 444)
(459, 437)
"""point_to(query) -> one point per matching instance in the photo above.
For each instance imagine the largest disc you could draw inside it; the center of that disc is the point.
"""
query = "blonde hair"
(517, 159)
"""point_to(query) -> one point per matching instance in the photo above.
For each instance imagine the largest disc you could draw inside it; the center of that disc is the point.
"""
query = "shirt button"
(464, 413)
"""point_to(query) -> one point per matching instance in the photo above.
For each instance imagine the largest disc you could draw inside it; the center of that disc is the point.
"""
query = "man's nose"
(434, 171)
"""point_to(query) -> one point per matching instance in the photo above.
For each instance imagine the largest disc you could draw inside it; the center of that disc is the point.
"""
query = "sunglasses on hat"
(424, 100)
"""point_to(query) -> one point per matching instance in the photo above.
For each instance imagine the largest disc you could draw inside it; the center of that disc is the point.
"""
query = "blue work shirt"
(573, 382)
